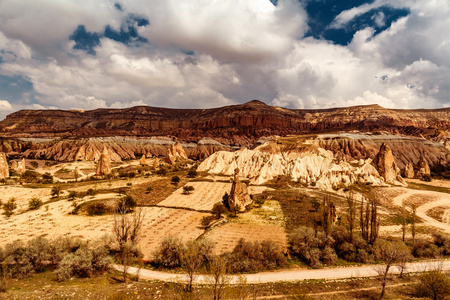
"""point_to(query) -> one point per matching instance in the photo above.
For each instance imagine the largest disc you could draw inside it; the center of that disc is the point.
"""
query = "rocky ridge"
(312, 166)
(240, 125)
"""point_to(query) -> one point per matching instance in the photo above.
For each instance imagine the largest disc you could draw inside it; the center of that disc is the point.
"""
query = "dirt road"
(296, 275)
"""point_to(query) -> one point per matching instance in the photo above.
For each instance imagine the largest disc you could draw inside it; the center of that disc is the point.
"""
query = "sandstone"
(156, 163)
(143, 161)
(409, 171)
(4, 169)
(422, 167)
(239, 197)
(176, 153)
(315, 166)
(21, 167)
(387, 168)
(104, 164)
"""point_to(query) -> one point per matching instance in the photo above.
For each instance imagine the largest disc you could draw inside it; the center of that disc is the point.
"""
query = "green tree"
(218, 209)
(175, 180)
(192, 174)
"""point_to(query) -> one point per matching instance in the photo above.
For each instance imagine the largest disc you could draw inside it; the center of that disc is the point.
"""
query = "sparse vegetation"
(34, 203)
(188, 189)
(9, 207)
(56, 191)
(175, 180)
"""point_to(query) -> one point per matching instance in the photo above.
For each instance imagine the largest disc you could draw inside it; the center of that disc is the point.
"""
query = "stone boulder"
(104, 164)
(239, 197)
(387, 168)
(176, 153)
(409, 170)
(4, 170)
(422, 167)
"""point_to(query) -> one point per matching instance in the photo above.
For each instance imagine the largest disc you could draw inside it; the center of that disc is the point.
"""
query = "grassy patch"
(428, 187)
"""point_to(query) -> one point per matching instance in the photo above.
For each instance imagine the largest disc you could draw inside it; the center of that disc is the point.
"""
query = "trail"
(443, 199)
(295, 275)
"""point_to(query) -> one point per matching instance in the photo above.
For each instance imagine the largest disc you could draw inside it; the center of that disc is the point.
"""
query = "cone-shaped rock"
(156, 163)
(422, 167)
(409, 170)
(4, 170)
(175, 153)
(387, 168)
(104, 164)
(239, 197)
(143, 161)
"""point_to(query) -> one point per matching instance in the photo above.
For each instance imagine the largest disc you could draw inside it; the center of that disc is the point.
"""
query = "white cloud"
(5, 105)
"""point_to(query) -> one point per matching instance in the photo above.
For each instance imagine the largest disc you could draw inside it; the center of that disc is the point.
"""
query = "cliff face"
(235, 125)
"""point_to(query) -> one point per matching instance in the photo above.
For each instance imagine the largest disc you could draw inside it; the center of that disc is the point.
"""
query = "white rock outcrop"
(314, 167)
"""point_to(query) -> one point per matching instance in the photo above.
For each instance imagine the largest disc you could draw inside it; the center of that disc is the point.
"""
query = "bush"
(425, 249)
(91, 192)
(127, 204)
(311, 248)
(34, 203)
(56, 191)
(47, 178)
(175, 180)
(72, 195)
(162, 172)
(433, 284)
(205, 221)
(192, 174)
(442, 241)
(77, 264)
(148, 190)
(169, 252)
(218, 209)
(9, 207)
(96, 208)
(187, 189)
(250, 257)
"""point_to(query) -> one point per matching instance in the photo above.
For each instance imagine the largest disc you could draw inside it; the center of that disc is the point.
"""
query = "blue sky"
(199, 53)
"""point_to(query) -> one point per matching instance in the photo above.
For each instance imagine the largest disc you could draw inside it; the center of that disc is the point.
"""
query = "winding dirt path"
(442, 199)
(295, 275)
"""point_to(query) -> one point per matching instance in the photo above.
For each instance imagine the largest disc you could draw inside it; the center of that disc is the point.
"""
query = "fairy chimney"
(175, 153)
(104, 164)
(239, 197)
(422, 167)
(143, 161)
(387, 168)
(409, 170)
(4, 170)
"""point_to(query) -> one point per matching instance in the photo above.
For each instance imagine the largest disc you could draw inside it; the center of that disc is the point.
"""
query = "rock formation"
(21, 167)
(4, 169)
(447, 144)
(422, 167)
(143, 161)
(239, 197)
(313, 166)
(240, 124)
(387, 168)
(409, 170)
(104, 164)
(156, 163)
(176, 153)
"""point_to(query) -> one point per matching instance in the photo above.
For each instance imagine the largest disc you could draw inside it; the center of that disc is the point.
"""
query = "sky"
(83, 54)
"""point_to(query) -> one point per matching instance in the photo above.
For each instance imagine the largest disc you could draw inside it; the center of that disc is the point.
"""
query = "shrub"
(34, 203)
(175, 180)
(148, 190)
(17, 260)
(250, 257)
(126, 203)
(192, 174)
(225, 201)
(442, 241)
(433, 284)
(9, 207)
(169, 252)
(426, 177)
(56, 191)
(91, 192)
(218, 209)
(310, 248)
(96, 208)
(425, 249)
(76, 208)
(162, 172)
(47, 178)
(187, 189)
(72, 195)
(205, 221)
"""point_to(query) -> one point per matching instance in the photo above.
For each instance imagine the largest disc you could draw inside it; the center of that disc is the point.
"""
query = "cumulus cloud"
(203, 54)
(5, 105)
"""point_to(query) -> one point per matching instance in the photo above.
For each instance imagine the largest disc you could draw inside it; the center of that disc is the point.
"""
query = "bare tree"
(390, 253)
(374, 222)
(403, 222)
(126, 230)
(369, 220)
(328, 214)
(191, 261)
(217, 277)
